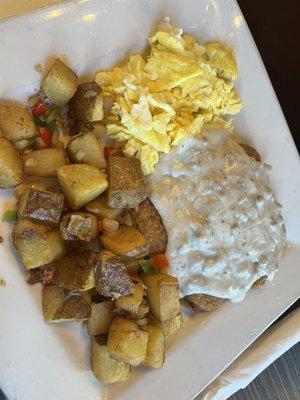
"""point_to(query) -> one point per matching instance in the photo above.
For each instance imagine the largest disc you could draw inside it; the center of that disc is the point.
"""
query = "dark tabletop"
(275, 28)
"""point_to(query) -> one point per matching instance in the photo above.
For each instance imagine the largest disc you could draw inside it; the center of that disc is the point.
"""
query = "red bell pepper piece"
(160, 261)
(111, 152)
(39, 108)
(45, 134)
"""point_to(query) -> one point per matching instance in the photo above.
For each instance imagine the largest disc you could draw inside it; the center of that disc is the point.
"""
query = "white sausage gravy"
(224, 225)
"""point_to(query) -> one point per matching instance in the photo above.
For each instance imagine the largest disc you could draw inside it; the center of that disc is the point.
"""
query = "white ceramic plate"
(51, 362)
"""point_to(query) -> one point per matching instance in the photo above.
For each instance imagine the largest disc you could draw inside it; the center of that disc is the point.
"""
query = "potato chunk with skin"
(142, 310)
(37, 244)
(86, 149)
(202, 302)
(105, 368)
(75, 271)
(127, 242)
(149, 223)
(168, 327)
(111, 276)
(16, 122)
(155, 354)
(81, 183)
(11, 173)
(126, 342)
(99, 207)
(132, 302)
(86, 106)
(79, 226)
(20, 189)
(100, 318)
(163, 295)
(126, 186)
(41, 206)
(61, 307)
(60, 83)
(44, 162)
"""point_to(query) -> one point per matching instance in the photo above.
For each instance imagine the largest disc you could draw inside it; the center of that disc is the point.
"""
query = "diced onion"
(80, 155)
(142, 321)
(31, 162)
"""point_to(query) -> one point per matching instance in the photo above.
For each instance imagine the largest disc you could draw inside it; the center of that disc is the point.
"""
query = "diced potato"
(99, 208)
(79, 226)
(155, 354)
(163, 295)
(20, 189)
(37, 244)
(100, 319)
(111, 277)
(168, 327)
(87, 103)
(126, 182)
(81, 183)
(86, 149)
(75, 271)
(11, 173)
(60, 83)
(61, 307)
(149, 223)
(16, 122)
(142, 310)
(44, 162)
(105, 368)
(41, 206)
(126, 342)
(202, 302)
(127, 242)
(132, 302)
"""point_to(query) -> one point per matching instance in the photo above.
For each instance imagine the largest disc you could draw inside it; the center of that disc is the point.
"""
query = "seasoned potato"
(163, 294)
(142, 310)
(75, 271)
(86, 149)
(149, 223)
(60, 307)
(168, 327)
(131, 302)
(41, 206)
(126, 342)
(126, 186)
(111, 277)
(105, 368)
(81, 183)
(79, 226)
(155, 354)
(16, 122)
(11, 173)
(250, 151)
(20, 189)
(100, 319)
(260, 282)
(127, 242)
(43, 162)
(87, 103)
(202, 302)
(99, 207)
(37, 244)
(60, 83)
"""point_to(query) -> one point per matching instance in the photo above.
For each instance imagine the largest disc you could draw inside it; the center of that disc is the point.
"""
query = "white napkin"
(271, 345)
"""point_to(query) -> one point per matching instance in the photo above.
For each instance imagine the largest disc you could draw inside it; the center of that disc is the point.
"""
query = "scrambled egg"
(169, 95)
